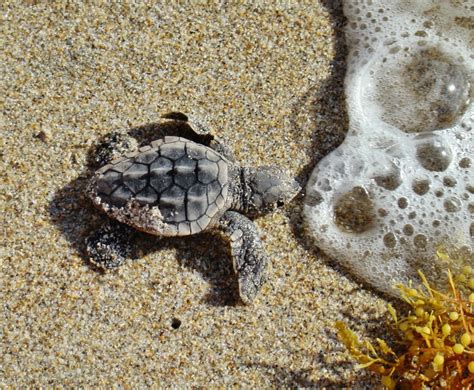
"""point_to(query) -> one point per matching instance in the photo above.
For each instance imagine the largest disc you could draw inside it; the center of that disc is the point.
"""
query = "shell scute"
(121, 196)
(108, 182)
(184, 228)
(172, 204)
(212, 210)
(207, 171)
(196, 152)
(173, 151)
(203, 221)
(147, 196)
(146, 157)
(213, 191)
(196, 204)
(135, 177)
(161, 174)
(185, 172)
(213, 156)
(122, 166)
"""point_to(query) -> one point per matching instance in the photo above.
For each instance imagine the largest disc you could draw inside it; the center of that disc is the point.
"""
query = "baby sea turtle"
(177, 187)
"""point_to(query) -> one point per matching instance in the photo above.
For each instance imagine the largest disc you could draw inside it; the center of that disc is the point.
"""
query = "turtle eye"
(280, 203)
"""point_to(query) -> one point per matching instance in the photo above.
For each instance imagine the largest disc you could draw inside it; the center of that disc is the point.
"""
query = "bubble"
(465, 162)
(427, 92)
(452, 204)
(420, 241)
(433, 155)
(325, 185)
(389, 240)
(402, 203)
(449, 181)
(313, 199)
(354, 211)
(391, 181)
(421, 186)
(408, 230)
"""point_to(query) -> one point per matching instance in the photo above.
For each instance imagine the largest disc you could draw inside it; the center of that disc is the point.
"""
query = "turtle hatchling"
(183, 185)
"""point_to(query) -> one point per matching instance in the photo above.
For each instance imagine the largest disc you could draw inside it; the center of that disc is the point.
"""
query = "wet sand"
(268, 81)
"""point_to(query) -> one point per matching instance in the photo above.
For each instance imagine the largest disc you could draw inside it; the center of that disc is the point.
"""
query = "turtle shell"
(186, 181)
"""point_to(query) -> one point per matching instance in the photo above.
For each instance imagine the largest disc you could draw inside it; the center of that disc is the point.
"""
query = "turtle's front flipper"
(111, 245)
(249, 258)
(194, 130)
(179, 124)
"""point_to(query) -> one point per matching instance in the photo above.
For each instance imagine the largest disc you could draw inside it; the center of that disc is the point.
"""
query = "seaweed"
(434, 341)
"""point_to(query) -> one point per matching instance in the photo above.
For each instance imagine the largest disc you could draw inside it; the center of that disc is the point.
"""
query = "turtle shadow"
(207, 253)
(73, 213)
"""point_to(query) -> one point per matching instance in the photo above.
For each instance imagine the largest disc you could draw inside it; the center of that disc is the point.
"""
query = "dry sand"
(268, 80)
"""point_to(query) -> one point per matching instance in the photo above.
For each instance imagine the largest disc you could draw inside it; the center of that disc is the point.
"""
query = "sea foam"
(402, 183)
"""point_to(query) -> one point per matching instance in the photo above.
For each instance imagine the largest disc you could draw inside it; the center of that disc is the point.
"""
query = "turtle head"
(269, 188)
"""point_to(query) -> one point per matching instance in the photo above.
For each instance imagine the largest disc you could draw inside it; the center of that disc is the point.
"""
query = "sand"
(268, 81)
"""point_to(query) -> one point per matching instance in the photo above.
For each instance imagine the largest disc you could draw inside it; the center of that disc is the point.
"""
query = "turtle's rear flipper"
(112, 146)
(249, 258)
(111, 245)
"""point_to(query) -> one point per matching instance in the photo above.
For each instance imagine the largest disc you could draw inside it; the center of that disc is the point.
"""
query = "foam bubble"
(434, 154)
(402, 182)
